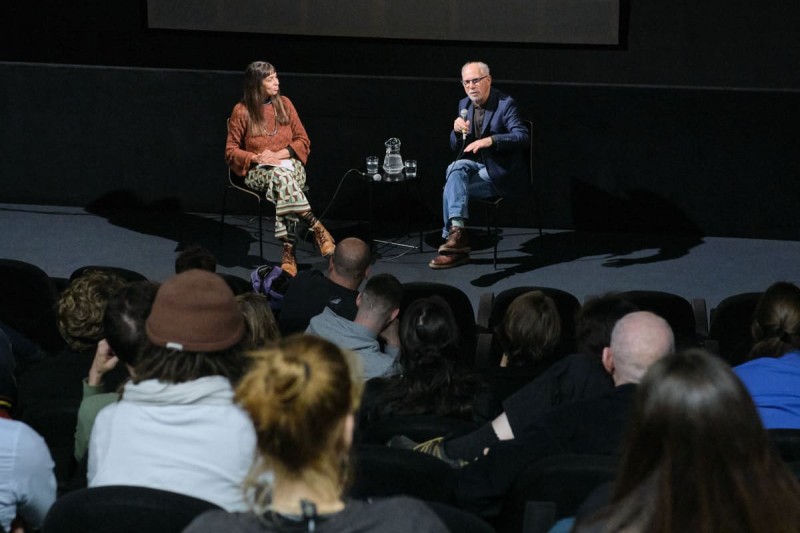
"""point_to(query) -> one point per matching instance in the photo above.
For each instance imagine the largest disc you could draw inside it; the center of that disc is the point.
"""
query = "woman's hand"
(104, 360)
(267, 157)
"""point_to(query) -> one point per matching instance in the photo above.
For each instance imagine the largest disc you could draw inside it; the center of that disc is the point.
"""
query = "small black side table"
(398, 187)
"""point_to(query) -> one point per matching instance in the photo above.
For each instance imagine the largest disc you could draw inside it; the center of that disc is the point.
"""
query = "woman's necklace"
(275, 111)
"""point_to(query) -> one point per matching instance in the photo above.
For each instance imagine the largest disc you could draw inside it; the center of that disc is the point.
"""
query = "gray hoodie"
(351, 336)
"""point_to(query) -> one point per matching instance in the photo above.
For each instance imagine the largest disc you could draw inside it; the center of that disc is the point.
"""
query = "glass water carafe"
(393, 162)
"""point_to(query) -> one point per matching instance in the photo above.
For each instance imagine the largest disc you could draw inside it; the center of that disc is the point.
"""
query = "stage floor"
(61, 239)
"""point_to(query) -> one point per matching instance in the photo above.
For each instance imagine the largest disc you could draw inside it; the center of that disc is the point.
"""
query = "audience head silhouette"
(776, 321)
(379, 302)
(350, 263)
(124, 319)
(637, 341)
(195, 329)
(195, 256)
(530, 330)
(260, 323)
(435, 378)
(696, 457)
(597, 319)
(301, 393)
(428, 337)
(82, 306)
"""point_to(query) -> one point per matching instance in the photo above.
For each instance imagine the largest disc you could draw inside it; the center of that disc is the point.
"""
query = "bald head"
(637, 341)
(350, 263)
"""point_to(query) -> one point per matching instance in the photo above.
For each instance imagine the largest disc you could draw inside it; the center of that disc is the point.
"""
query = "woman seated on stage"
(697, 458)
(301, 394)
(268, 145)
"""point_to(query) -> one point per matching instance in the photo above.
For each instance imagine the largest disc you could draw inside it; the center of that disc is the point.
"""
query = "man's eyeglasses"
(473, 81)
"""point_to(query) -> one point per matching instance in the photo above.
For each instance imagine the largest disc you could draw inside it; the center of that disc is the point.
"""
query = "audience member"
(696, 458)
(123, 324)
(575, 377)
(302, 394)
(310, 291)
(432, 375)
(259, 321)
(80, 320)
(195, 256)
(378, 307)
(529, 334)
(773, 373)
(176, 427)
(591, 426)
(27, 482)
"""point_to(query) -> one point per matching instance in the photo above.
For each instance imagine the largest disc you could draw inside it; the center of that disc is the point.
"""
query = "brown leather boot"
(457, 242)
(288, 262)
(325, 242)
(443, 261)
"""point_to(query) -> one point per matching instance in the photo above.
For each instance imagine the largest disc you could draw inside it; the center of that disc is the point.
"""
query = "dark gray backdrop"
(689, 124)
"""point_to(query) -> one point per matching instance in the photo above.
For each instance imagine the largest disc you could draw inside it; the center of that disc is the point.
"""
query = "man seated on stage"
(494, 141)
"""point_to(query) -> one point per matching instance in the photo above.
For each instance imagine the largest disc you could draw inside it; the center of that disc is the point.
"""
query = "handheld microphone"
(464, 117)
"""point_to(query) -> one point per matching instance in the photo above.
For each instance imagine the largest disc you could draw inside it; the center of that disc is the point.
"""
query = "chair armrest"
(539, 517)
(485, 304)
(700, 318)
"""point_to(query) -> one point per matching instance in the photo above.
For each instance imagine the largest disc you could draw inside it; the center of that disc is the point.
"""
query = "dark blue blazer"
(507, 159)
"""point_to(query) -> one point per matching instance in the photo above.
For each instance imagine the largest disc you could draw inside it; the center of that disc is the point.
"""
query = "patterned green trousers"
(284, 188)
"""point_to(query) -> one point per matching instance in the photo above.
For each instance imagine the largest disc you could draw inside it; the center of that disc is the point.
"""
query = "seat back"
(787, 443)
(55, 421)
(460, 304)
(123, 509)
(28, 303)
(566, 480)
(493, 309)
(381, 471)
(124, 273)
(459, 520)
(676, 310)
(418, 428)
(729, 327)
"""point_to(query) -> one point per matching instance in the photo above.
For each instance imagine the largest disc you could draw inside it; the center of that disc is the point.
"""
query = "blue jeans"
(465, 179)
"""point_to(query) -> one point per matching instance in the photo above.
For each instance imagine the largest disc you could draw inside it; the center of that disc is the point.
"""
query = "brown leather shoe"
(325, 242)
(288, 262)
(440, 262)
(457, 242)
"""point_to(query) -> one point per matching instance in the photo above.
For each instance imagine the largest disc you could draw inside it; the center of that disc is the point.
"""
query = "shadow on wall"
(637, 211)
(166, 218)
(610, 226)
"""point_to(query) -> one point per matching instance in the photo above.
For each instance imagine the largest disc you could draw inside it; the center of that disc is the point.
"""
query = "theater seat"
(123, 509)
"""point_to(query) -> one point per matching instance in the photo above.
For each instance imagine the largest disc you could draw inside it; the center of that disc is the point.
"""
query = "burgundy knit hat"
(195, 311)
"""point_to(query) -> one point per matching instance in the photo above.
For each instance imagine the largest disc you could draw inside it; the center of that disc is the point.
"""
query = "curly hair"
(82, 306)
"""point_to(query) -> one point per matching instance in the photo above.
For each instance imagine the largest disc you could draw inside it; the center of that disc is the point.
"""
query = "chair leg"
(260, 231)
(496, 236)
(539, 217)
(222, 216)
